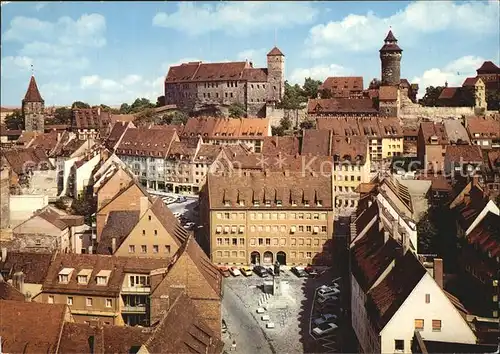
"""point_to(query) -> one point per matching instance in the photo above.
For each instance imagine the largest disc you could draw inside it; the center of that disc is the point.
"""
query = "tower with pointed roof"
(390, 57)
(33, 108)
(275, 75)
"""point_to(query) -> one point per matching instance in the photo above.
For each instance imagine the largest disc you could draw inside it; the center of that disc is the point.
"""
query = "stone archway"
(281, 257)
(255, 258)
(268, 257)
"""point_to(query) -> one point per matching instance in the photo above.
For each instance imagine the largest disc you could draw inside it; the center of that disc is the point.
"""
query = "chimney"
(113, 245)
(144, 203)
(18, 281)
(438, 271)
(4, 254)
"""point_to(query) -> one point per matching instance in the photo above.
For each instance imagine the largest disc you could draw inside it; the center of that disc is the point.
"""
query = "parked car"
(246, 271)
(224, 271)
(325, 318)
(325, 328)
(328, 292)
(311, 271)
(181, 199)
(235, 271)
(299, 271)
(323, 299)
(270, 270)
(260, 271)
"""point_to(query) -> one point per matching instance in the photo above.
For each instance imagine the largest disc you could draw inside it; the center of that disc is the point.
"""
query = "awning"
(315, 229)
(218, 229)
(293, 229)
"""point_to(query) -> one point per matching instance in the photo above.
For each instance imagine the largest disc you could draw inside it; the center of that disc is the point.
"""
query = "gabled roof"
(169, 221)
(341, 83)
(119, 225)
(386, 298)
(273, 145)
(390, 37)
(181, 330)
(488, 67)
(275, 52)
(32, 93)
(8, 292)
(448, 93)
(463, 153)
(31, 327)
(340, 105)
(471, 81)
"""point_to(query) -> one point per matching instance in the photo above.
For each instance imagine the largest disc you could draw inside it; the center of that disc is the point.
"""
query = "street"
(242, 326)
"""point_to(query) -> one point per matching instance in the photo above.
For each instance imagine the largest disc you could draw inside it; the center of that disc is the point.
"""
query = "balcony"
(136, 290)
(134, 309)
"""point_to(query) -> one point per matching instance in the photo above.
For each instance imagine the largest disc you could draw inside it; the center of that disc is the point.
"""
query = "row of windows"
(272, 216)
(88, 301)
(144, 249)
(436, 325)
(241, 254)
(347, 178)
(339, 202)
(344, 189)
(258, 100)
(282, 241)
(207, 95)
(226, 229)
(345, 167)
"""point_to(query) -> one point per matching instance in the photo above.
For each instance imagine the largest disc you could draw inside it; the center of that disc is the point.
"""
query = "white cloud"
(320, 72)
(53, 46)
(454, 73)
(114, 92)
(256, 56)
(236, 18)
(365, 32)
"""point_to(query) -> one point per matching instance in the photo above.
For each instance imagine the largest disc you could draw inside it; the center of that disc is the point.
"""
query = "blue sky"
(113, 52)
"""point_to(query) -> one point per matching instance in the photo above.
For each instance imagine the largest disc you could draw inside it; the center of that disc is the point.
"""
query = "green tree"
(146, 115)
(286, 123)
(15, 120)
(62, 115)
(374, 84)
(277, 131)
(493, 100)
(427, 234)
(79, 104)
(237, 110)
(294, 97)
(307, 124)
(311, 87)
(125, 108)
(141, 104)
(431, 96)
(179, 117)
(325, 93)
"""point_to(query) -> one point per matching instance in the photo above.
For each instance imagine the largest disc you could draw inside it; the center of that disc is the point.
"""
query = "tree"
(431, 96)
(125, 108)
(141, 104)
(493, 100)
(307, 124)
(374, 84)
(237, 110)
(62, 115)
(294, 97)
(311, 87)
(15, 120)
(427, 234)
(285, 123)
(146, 115)
(179, 117)
(79, 104)
(277, 131)
(325, 93)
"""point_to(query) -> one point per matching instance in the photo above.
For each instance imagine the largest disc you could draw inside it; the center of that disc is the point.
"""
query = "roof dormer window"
(102, 277)
(306, 202)
(84, 276)
(256, 203)
(279, 203)
(319, 203)
(242, 203)
(268, 203)
(227, 203)
(65, 275)
(294, 203)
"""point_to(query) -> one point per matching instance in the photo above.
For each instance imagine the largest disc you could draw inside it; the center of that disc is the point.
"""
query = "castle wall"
(275, 115)
(4, 198)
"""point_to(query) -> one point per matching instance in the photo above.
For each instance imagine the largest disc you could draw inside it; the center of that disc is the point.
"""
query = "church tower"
(275, 75)
(33, 108)
(390, 57)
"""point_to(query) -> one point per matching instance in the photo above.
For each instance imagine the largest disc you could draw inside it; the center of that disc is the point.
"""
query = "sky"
(114, 52)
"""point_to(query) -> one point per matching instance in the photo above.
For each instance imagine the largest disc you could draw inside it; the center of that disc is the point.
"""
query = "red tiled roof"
(273, 145)
(487, 234)
(90, 118)
(494, 158)
(276, 52)
(485, 127)
(22, 160)
(488, 67)
(146, 142)
(430, 129)
(32, 94)
(465, 153)
(448, 93)
(340, 105)
(8, 292)
(316, 142)
(470, 81)
(255, 75)
(404, 83)
(33, 265)
(387, 297)
(340, 83)
(390, 37)
(198, 71)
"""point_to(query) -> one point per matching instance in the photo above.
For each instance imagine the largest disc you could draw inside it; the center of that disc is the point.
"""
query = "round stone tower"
(390, 57)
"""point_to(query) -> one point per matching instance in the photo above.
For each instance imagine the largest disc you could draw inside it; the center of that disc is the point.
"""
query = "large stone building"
(264, 217)
(33, 108)
(195, 84)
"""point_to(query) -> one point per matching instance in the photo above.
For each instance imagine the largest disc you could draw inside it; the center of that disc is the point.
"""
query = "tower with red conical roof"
(33, 108)
(275, 75)
(390, 57)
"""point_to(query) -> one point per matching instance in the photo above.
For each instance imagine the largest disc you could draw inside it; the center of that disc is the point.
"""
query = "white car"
(325, 318)
(234, 271)
(325, 328)
(322, 300)
(328, 292)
